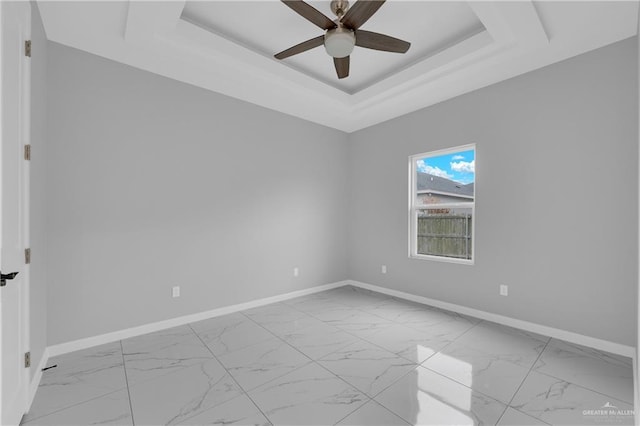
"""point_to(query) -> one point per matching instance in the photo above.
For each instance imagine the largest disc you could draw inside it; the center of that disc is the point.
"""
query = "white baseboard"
(75, 345)
(580, 339)
(568, 336)
(35, 380)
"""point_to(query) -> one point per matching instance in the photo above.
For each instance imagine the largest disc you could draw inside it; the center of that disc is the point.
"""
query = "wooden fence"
(445, 235)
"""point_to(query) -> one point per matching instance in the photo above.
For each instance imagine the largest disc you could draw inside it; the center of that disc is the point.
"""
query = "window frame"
(413, 209)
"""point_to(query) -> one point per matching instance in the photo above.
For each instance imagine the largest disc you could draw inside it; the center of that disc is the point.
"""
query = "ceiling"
(228, 47)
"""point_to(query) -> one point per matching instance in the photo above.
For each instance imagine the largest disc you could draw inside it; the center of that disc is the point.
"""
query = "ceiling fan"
(344, 33)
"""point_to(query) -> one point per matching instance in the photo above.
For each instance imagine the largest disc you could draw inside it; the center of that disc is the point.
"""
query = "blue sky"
(459, 166)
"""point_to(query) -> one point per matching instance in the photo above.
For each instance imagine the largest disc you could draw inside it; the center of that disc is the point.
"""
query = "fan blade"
(310, 14)
(379, 41)
(302, 47)
(360, 13)
(342, 66)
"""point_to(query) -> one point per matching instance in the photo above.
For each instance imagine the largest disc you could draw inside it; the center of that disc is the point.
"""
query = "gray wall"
(38, 297)
(557, 196)
(154, 183)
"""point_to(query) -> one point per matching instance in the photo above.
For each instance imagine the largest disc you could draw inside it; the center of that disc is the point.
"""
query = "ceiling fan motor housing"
(339, 7)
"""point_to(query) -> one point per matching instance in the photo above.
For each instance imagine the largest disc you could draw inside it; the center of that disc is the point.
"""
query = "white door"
(14, 207)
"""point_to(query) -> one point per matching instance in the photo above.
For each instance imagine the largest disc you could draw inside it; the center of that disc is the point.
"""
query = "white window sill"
(469, 262)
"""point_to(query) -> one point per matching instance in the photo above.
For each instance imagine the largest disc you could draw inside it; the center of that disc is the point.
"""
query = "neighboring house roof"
(431, 183)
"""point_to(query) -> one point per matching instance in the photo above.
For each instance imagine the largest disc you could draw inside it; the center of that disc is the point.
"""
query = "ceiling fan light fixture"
(339, 42)
(340, 35)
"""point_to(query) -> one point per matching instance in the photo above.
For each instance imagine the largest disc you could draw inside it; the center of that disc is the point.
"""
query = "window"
(442, 204)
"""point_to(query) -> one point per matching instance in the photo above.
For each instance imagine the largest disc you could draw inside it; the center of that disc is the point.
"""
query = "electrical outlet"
(383, 269)
(504, 290)
(175, 291)
(296, 271)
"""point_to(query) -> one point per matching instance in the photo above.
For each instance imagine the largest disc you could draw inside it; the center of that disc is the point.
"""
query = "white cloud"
(464, 166)
(436, 171)
(458, 157)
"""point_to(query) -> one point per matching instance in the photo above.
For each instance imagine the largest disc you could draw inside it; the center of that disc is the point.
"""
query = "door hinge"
(27, 256)
(27, 152)
(27, 48)
(27, 359)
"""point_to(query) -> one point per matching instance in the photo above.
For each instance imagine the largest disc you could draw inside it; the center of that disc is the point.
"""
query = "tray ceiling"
(431, 27)
(228, 47)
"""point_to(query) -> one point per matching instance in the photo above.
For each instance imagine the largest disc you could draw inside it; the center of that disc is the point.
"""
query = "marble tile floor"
(341, 357)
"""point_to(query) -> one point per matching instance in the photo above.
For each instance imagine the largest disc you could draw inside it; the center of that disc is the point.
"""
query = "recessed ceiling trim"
(470, 49)
(192, 17)
(430, 26)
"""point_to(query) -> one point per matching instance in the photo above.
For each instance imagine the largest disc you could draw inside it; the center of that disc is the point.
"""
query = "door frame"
(24, 194)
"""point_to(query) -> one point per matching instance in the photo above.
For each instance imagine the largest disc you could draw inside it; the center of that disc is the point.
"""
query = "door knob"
(5, 277)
